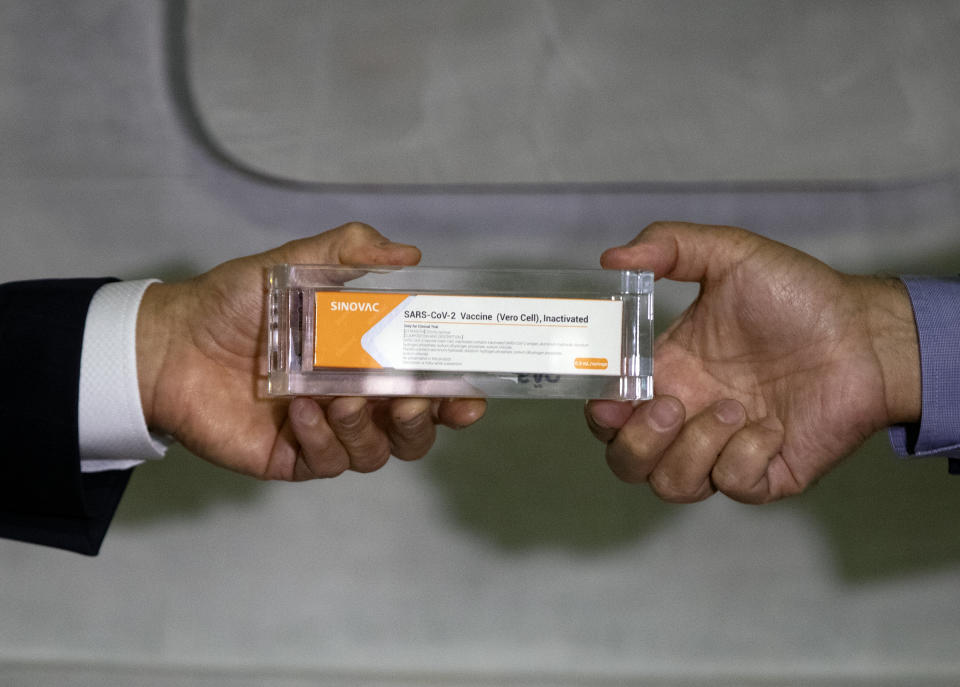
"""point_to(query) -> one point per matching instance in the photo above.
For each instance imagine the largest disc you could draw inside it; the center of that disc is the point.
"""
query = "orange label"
(342, 318)
(590, 363)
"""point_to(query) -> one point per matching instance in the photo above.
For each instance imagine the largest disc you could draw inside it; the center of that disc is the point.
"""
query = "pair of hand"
(780, 368)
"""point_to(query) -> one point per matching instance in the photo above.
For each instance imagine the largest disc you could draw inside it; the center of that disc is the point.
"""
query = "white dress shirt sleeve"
(113, 433)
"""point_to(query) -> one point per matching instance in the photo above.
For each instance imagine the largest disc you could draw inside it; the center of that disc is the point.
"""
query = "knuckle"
(370, 462)
(634, 443)
(701, 442)
(331, 469)
(626, 464)
(326, 461)
(410, 453)
(662, 486)
(366, 451)
(792, 489)
(755, 497)
(672, 490)
(791, 482)
(633, 454)
(626, 472)
(603, 434)
(413, 429)
(726, 480)
(655, 226)
(412, 449)
(354, 229)
(319, 444)
(748, 497)
(352, 435)
(750, 446)
(351, 429)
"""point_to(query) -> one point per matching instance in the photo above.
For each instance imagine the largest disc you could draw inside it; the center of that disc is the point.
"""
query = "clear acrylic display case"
(458, 332)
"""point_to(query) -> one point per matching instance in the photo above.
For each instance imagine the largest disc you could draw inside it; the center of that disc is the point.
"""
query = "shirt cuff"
(936, 309)
(113, 433)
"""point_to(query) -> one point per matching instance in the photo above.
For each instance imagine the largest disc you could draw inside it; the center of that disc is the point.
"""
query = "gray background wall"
(509, 555)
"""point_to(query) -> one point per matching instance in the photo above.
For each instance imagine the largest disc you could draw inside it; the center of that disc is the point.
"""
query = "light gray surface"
(81, 675)
(510, 550)
(457, 91)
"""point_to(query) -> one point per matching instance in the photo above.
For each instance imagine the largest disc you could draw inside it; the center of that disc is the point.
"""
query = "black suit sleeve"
(44, 498)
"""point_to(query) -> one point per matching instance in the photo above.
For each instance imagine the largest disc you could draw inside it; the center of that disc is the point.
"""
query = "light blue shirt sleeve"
(936, 309)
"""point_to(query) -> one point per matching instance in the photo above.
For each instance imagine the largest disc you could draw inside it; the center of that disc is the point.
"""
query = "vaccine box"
(458, 332)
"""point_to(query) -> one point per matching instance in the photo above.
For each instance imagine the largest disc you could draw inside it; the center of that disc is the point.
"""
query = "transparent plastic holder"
(460, 332)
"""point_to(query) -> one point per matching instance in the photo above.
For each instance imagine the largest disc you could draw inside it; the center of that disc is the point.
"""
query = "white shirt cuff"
(113, 433)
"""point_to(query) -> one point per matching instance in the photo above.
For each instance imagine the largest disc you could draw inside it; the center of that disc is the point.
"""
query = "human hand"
(781, 367)
(200, 353)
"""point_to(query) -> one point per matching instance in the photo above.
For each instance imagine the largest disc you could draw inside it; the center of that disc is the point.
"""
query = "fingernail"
(410, 411)
(353, 412)
(728, 412)
(664, 414)
(308, 413)
(466, 413)
(475, 411)
(610, 415)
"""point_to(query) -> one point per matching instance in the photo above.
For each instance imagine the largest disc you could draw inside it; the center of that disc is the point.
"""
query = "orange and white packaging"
(467, 333)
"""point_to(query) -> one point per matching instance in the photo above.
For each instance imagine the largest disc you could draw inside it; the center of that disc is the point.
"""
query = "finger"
(458, 413)
(321, 453)
(605, 418)
(410, 428)
(282, 463)
(682, 474)
(361, 244)
(682, 251)
(634, 452)
(742, 471)
(354, 243)
(352, 423)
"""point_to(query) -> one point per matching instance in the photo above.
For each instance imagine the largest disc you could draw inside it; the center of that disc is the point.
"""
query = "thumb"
(682, 251)
(351, 244)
